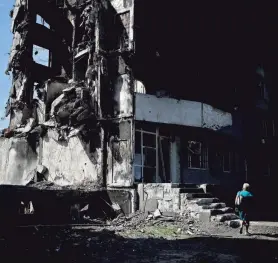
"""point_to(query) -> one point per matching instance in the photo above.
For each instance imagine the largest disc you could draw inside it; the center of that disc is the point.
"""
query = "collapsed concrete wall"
(18, 161)
(70, 162)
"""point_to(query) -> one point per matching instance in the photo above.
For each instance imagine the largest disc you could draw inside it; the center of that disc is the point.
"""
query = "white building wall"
(180, 112)
(17, 161)
(68, 163)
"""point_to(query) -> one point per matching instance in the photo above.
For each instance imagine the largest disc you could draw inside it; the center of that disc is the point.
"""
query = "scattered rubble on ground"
(95, 244)
(169, 224)
(46, 185)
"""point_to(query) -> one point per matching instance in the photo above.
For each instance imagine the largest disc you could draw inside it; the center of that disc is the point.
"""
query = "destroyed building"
(140, 96)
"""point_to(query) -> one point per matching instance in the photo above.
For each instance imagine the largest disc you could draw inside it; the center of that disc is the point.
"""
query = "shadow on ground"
(87, 245)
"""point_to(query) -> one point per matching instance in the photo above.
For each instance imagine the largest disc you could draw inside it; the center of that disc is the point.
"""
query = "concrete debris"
(183, 224)
(151, 205)
(50, 123)
(56, 103)
(30, 124)
(85, 187)
(76, 131)
(156, 214)
(85, 208)
(72, 107)
(41, 169)
(116, 207)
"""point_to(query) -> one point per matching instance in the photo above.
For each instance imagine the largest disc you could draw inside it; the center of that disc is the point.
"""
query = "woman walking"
(243, 203)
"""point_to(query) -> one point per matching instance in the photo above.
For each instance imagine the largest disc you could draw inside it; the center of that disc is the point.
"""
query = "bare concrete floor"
(150, 244)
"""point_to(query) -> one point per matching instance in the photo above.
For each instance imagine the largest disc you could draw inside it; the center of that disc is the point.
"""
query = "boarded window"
(41, 55)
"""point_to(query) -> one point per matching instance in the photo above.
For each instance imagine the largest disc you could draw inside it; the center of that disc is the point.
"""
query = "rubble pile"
(71, 112)
(46, 185)
(183, 223)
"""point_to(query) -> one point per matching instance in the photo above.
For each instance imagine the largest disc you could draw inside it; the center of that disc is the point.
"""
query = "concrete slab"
(198, 195)
(221, 211)
(214, 206)
(151, 205)
(204, 216)
(170, 214)
(206, 201)
(225, 217)
(191, 190)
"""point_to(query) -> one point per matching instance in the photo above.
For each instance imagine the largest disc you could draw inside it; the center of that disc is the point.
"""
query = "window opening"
(41, 55)
(237, 162)
(266, 170)
(226, 162)
(197, 155)
(41, 21)
(264, 128)
(152, 157)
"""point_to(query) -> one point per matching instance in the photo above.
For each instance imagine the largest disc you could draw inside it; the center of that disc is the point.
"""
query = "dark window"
(152, 156)
(266, 169)
(197, 155)
(226, 162)
(164, 159)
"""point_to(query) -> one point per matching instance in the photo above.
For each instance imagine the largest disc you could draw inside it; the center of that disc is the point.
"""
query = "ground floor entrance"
(180, 154)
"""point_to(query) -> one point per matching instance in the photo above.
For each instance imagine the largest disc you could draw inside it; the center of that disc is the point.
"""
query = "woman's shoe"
(240, 231)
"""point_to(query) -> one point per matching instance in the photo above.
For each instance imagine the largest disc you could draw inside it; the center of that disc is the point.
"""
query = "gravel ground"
(138, 240)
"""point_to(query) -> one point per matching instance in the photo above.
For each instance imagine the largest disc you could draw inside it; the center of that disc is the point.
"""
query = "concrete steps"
(198, 195)
(206, 207)
(221, 211)
(191, 190)
(214, 206)
(224, 217)
(205, 201)
(184, 186)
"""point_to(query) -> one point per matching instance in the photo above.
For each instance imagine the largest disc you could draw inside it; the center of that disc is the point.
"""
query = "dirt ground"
(138, 240)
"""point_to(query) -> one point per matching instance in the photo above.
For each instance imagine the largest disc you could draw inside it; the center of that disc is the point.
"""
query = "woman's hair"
(246, 186)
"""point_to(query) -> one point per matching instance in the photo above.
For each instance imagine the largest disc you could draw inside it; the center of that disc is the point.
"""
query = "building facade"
(122, 93)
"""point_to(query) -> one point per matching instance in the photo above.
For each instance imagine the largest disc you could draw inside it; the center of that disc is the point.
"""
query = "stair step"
(204, 201)
(214, 206)
(225, 217)
(221, 211)
(191, 190)
(198, 195)
(184, 186)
